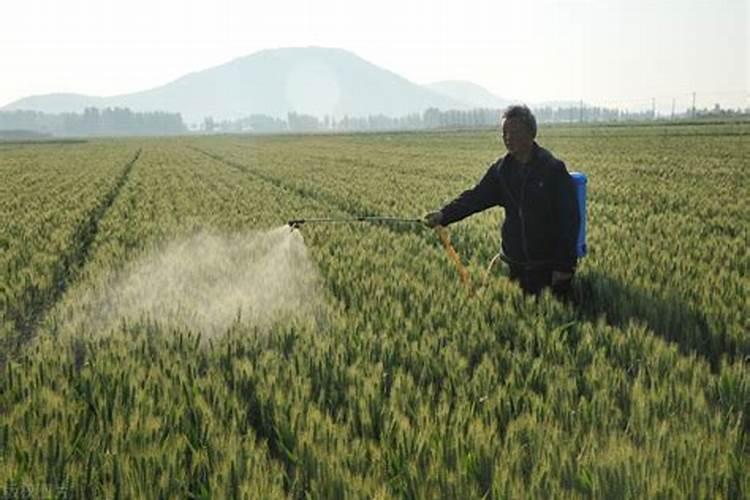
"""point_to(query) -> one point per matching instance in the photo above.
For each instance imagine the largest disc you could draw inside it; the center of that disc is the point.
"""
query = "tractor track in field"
(352, 208)
(300, 191)
(27, 317)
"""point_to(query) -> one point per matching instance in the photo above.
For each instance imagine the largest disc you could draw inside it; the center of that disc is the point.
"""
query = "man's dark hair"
(522, 112)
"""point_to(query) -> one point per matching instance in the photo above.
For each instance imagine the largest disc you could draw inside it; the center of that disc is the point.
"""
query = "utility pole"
(580, 111)
(693, 105)
(672, 117)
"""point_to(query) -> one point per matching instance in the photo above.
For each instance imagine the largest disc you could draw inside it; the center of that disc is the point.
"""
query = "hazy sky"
(610, 52)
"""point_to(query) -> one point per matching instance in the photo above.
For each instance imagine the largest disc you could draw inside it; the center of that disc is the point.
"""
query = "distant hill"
(56, 103)
(470, 93)
(310, 80)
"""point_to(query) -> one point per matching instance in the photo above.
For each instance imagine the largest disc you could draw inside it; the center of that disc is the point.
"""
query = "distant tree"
(209, 124)
(302, 123)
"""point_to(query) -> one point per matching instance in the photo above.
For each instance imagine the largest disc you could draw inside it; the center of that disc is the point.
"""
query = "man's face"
(516, 136)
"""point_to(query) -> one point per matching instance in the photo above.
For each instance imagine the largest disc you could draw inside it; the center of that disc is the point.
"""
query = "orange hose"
(463, 273)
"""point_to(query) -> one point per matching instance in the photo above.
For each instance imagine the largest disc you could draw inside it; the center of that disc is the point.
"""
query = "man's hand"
(433, 219)
(560, 277)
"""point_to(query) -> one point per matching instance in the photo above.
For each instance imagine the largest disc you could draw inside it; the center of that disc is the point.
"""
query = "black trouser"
(533, 281)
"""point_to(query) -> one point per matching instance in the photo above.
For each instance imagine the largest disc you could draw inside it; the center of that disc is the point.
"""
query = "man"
(541, 212)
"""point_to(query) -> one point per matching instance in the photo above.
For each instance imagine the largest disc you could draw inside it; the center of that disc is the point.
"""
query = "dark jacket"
(541, 209)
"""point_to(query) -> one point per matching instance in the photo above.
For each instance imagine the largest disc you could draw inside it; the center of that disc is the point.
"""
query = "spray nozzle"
(295, 224)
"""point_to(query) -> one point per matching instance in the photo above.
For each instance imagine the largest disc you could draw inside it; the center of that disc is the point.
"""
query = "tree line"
(434, 118)
(124, 122)
(92, 122)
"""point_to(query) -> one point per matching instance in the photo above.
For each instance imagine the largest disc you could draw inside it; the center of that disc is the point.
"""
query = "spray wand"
(441, 231)
(296, 223)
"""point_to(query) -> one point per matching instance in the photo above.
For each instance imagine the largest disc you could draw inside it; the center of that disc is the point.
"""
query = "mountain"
(470, 93)
(56, 103)
(310, 80)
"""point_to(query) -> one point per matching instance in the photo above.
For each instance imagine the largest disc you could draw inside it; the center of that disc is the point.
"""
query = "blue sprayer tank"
(579, 180)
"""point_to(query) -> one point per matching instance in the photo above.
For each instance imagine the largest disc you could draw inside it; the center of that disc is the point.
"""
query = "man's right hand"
(433, 219)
